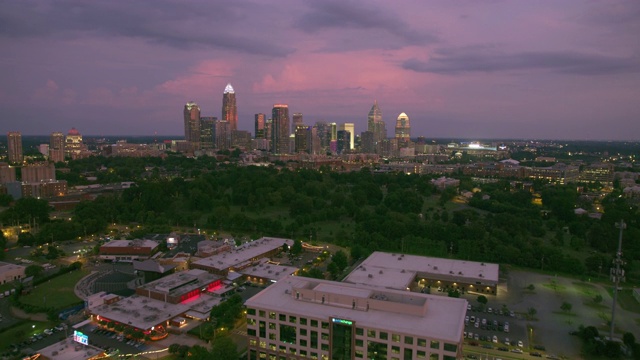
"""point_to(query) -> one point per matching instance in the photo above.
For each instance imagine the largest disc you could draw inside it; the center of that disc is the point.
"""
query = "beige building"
(303, 318)
(10, 272)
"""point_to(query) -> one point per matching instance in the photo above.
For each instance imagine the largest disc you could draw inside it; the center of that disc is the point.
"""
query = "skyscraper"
(192, 125)
(259, 126)
(14, 141)
(229, 109)
(403, 129)
(207, 123)
(222, 134)
(376, 125)
(342, 142)
(56, 147)
(351, 128)
(297, 120)
(280, 129)
(302, 138)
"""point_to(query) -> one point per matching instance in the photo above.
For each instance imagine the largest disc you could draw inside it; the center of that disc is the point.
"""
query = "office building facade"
(298, 318)
(192, 125)
(403, 129)
(280, 129)
(56, 147)
(229, 108)
(259, 124)
(14, 143)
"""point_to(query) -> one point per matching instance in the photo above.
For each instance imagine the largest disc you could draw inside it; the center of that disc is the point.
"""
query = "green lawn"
(22, 332)
(626, 300)
(57, 293)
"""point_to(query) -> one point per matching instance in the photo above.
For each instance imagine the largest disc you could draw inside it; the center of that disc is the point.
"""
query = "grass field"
(57, 293)
(627, 301)
(21, 332)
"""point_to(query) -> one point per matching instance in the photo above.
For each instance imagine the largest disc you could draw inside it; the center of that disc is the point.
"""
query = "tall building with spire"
(14, 142)
(403, 129)
(280, 129)
(229, 108)
(192, 125)
(376, 125)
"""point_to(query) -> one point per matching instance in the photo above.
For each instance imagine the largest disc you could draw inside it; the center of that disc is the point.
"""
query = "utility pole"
(616, 275)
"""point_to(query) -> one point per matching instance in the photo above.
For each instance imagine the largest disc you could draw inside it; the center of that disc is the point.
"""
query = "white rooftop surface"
(381, 277)
(69, 350)
(243, 253)
(131, 243)
(140, 312)
(443, 320)
(436, 268)
(269, 271)
(5, 266)
(181, 281)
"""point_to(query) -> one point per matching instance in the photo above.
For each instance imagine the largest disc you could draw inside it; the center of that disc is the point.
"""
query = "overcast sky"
(475, 69)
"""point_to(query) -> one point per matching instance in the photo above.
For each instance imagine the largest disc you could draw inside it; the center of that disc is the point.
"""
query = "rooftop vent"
(435, 268)
(480, 275)
(380, 272)
(370, 276)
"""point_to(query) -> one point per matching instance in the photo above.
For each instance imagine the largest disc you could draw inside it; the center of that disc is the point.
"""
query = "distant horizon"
(181, 137)
(502, 70)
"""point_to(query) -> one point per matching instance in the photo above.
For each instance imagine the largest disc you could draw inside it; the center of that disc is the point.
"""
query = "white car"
(520, 344)
(477, 324)
(470, 335)
(495, 339)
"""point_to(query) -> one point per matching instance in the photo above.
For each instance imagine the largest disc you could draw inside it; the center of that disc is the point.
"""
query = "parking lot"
(495, 328)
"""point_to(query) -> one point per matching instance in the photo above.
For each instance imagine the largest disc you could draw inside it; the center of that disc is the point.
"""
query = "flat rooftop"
(417, 314)
(68, 349)
(269, 271)
(181, 282)
(397, 270)
(140, 312)
(130, 243)
(5, 266)
(243, 253)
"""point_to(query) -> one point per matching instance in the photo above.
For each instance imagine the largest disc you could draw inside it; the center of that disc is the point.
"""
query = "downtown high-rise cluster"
(283, 133)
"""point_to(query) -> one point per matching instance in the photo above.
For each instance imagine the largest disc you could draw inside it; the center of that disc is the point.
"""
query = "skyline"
(545, 70)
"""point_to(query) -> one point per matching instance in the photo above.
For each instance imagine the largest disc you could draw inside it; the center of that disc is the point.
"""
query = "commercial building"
(128, 250)
(411, 272)
(280, 129)
(43, 189)
(259, 124)
(376, 125)
(10, 272)
(192, 125)
(229, 108)
(180, 287)
(39, 172)
(7, 173)
(242, 256)
(14, 144)
(403, 128)
(74, 146)
(351, 128)
(298, 318)
(56, 147)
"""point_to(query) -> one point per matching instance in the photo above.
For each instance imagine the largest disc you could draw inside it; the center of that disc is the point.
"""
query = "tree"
(566, 307)
(224, 349)
(597, 299)
(33, 270)
(482, 299)
(532, 311)
(296, 248)
(340, 259)
(454, 293)
(531, 287)
(629, 339)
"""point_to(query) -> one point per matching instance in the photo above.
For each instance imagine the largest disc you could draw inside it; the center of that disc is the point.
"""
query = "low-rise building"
(300, 317)
(180, 287)
(128, 250)
(10, 272)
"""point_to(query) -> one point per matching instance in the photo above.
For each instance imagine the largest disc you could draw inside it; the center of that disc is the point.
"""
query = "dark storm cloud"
(361, 16)
(172, 23)
(468, 60)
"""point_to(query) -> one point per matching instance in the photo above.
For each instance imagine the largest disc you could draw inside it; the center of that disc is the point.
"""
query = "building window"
(303, 342)
(251, 321)
(395, 349)
(282, 349)
(303, 332)
(435, 344)
(272, 315)
(272, 326)
(447, 357)
(408, 354)
(314, 339)
(408, 340)
(359, 342)
(251, 332)
(293, 319)
(314, 323)
(272, 347)
(433, 356)
(251, 311)
(421, 354)
(376, 350)
(324, 347)
(261, 313)
(287, 334)
(272, 336)
(303, 321)
(325, 336)
(325, 325)
(371, 333)
(282, 317)
(253, 342)
(263, 344)
(359, 331)
(384, 335)
(359, 354)
(450, 347)
(395, 337)
(263, 329)
(422, 342)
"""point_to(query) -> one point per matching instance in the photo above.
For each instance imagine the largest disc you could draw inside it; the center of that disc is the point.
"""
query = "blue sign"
(342, 321)
(80, 337)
